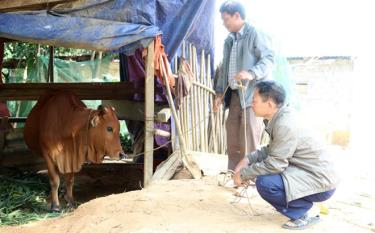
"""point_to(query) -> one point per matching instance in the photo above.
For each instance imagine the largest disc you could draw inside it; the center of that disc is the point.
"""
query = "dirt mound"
(179, 206)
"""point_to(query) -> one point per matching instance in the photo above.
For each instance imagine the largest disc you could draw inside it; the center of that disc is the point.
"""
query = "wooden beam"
(131, 110)
(167, 168)
(85, 91)
(149, 116)
(164, 115)
(22, 5)
(14, 119)
(162, 133)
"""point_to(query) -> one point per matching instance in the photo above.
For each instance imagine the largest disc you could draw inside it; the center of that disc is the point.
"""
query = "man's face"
(230, 21)
(261, 108)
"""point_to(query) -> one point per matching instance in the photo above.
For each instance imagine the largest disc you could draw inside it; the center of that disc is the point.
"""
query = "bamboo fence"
(203, 130)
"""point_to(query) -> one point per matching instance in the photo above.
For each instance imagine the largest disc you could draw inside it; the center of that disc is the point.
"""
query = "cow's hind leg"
(54, 179)
(69, 181)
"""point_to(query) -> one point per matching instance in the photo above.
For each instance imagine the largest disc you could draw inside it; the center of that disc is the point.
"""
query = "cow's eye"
(109, 129)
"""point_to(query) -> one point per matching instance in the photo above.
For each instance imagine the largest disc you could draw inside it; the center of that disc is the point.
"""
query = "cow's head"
(104, 137)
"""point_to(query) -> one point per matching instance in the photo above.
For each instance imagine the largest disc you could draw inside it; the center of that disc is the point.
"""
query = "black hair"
(231, 7)
(271, 89)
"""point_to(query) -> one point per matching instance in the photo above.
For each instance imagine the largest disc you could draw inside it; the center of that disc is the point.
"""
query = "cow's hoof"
(55, 209)
(72, 205)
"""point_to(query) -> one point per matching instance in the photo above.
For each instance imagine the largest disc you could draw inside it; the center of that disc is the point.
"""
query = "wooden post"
(50, 65)
(149, 116)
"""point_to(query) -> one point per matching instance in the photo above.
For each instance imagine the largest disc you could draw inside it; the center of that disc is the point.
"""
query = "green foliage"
(19, 50)
(23, 198)
(126, 142)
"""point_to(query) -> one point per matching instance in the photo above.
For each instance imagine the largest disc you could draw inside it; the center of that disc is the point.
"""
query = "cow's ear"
(94, 120)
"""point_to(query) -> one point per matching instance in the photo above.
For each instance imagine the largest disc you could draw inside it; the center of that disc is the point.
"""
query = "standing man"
(247, 58)
(294, 169)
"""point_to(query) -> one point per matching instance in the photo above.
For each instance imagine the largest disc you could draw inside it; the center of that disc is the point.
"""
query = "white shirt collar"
(240, 32)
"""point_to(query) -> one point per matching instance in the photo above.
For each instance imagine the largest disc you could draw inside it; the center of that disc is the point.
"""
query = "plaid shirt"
(233, 68)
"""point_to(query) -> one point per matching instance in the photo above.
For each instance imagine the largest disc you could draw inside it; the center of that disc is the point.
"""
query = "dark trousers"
(235, 127)
(271, 189)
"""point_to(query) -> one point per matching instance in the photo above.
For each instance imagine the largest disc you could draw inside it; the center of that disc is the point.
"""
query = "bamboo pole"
(196, 123)
(182, 110)
(207, 110)
(178, 113)
(196, 99)
(186, 108)
(217, 130)
(186, 122)
(201, 107)
(173, 109)
(189, 122)
(199, 103)
(207, 89)
(184, 50)
(175, 64)
(191, 57)
(204, 102)
(149, 116)
(222, 131)
(187, 160)
(180, 117)
(211, 97)
(224, 119)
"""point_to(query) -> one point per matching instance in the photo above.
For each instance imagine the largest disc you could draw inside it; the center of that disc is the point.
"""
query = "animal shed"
(104, 91)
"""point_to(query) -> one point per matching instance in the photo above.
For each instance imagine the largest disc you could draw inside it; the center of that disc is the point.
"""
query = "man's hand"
(218, 101)
(242, 164)
(244, 75)
(237, 171)
(237, 179)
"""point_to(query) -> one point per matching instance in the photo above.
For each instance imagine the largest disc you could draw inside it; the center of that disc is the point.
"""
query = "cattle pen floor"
(203, 206)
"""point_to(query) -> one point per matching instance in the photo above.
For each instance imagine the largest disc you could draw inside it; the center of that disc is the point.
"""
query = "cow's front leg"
(54, 179)
(69, 181)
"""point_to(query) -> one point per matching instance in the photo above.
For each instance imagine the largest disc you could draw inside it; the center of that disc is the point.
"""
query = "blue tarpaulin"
(115, 25)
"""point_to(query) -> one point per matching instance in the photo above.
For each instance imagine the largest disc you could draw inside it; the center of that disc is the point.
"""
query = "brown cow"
(66, 133)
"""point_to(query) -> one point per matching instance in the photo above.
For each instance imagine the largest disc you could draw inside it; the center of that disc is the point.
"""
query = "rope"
(243, 88)
(243, 193)
(226, 178)
(228, 175)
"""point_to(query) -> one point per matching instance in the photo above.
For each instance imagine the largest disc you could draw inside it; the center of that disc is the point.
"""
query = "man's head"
(233, 15)
(268, 97)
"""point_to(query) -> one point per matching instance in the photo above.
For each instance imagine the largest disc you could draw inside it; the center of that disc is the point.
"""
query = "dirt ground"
(203, 206)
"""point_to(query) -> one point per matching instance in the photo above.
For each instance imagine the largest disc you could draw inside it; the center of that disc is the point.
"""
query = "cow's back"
(51, 119)
(31, 128)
